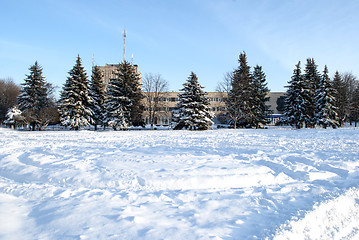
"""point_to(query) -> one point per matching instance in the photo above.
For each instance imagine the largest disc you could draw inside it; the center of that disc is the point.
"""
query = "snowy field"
(222, 184)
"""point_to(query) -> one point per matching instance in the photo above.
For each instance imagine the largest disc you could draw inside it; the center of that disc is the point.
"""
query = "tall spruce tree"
(193, 112)
(75, 101)
(34, 101)
(312, 83)
(341, 101)
(239, 103)
(325, 110)
(124, 97)
(98, 95)
(260, 97)
(295, 102)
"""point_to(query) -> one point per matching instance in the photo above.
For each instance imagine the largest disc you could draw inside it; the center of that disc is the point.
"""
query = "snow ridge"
(223, 184)
(334, 219)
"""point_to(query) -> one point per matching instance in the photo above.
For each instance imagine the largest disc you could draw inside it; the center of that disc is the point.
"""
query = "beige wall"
(217, 104)
(109, 69)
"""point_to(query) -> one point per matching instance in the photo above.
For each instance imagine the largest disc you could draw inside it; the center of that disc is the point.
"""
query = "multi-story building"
(217, 101)
(169, 100)
(109, 69)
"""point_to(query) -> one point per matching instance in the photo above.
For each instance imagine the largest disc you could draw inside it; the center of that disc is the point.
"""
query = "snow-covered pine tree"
(193, 112)
(136, 97)
(98, 96)
(14, 117)
(124, 97)
(260, 98)
(325, 110)
(118, 103)
(33, 100)
(295, 110)
(75, 101)
(312, 83)
(239, 103)
(340, 96)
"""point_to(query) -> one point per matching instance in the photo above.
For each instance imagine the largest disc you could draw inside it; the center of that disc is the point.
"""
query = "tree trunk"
(33, 126)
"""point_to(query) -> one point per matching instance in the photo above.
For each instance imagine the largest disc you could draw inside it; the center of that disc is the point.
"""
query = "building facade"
(169, 100)
(217, 101)
(109, 69)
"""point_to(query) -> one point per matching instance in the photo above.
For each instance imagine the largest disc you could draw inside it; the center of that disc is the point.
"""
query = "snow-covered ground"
(222, 184)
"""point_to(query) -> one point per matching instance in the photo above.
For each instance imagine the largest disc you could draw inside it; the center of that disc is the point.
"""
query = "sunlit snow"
(222, 184)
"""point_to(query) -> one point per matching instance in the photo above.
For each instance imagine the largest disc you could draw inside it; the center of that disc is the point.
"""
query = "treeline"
(118, 105)
(313, 99)
(82, 102)
(246, 97)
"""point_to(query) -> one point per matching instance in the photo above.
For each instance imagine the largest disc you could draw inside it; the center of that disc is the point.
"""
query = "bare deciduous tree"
(351, 82)
(154, 88)
(8, 96)
(226, 85)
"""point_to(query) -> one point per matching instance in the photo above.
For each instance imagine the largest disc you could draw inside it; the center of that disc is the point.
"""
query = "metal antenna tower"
(124, 45)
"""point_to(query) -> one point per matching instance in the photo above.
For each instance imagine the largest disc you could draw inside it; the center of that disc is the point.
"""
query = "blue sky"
(173, 38)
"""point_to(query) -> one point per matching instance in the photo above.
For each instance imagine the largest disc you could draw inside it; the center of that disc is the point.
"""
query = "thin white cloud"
(293, 30)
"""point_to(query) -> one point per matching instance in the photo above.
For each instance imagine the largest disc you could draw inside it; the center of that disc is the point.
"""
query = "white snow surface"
(223, 184)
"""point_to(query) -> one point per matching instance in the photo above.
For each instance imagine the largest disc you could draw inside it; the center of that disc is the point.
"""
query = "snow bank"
(223, 184)
(334, 219)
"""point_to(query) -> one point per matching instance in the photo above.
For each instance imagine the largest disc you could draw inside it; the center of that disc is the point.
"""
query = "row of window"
(161, 121)
(218, 109)
(169, 109)
(176, 99)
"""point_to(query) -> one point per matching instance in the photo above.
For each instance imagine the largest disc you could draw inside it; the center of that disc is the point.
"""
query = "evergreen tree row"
(83, 103)
(312, 99)
(247, 96)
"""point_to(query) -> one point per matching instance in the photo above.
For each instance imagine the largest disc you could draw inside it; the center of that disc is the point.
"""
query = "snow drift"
(223, 184)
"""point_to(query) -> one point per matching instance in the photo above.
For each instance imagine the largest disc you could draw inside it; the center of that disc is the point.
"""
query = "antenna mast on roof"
(124, 44)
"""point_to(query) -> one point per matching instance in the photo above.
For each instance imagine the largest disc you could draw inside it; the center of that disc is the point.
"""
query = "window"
(165, 121)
